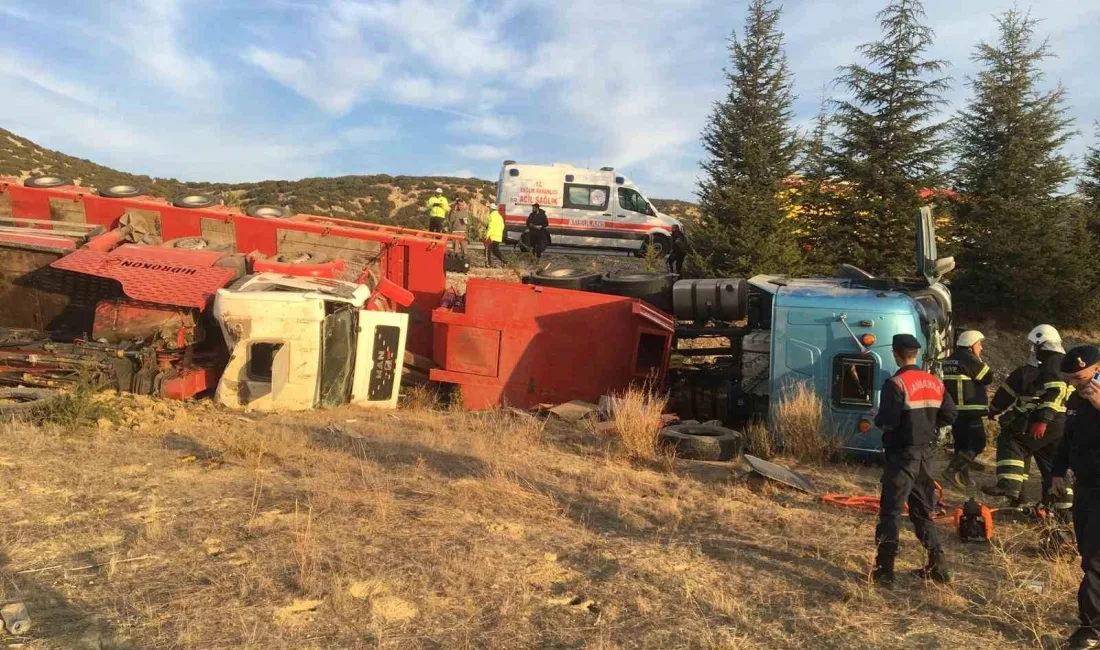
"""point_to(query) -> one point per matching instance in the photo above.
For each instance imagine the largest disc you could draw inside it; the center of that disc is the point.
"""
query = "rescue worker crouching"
(965, 375)
(914, 404)
(1080, 451)
(1033, 403)
(438, 207)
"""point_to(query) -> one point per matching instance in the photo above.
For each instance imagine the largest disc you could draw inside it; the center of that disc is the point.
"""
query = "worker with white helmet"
(438, 207)
(966, 376)
(1033, 403)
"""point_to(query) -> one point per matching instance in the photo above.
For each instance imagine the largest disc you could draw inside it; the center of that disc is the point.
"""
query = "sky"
(226, 90)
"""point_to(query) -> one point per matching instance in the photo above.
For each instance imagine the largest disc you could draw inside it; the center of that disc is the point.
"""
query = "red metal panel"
(191, 382)
(146, 274)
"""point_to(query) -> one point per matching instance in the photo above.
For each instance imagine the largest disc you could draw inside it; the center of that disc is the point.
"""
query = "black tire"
(525, 241)
(24, 401)
(635, 284)
(47, 181)
(703, 441)
(661, 246)
(196, 201)
(187, 243)
(267, 211)
(566, 278)
(121, 192)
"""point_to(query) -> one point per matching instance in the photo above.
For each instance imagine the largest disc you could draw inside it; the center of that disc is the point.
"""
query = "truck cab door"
(280, 372)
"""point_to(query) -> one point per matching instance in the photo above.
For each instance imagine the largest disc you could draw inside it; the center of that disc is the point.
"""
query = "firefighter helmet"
(968, 338)
(1045, 337)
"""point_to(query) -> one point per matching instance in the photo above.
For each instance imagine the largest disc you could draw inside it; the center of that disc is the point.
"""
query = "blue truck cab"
(835, 334)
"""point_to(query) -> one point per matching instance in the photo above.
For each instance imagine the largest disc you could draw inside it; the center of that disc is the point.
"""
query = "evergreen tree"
(1088, 186)
(889, 145)
(1017, 234)
(821, 241)
(751, 149)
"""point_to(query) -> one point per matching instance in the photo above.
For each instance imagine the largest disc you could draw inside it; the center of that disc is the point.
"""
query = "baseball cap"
(1079, 358)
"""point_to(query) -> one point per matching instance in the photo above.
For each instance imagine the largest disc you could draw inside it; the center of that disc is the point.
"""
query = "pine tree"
(889, 145)
(822, 242)
(751, 149)
(1016, 231)
(1088, 185)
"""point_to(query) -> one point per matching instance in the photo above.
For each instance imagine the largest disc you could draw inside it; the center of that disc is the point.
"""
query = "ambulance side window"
(633, 201)
(586, 197)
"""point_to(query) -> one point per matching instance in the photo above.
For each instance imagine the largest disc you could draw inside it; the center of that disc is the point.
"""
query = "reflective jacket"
(494, 228)
(1034, 394)
(913, 405)
(438, 207)
(966, 377)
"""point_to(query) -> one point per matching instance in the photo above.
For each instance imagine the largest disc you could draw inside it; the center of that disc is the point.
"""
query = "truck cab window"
(633, 201)
(586, 197)
(853, 381)
(261, 356)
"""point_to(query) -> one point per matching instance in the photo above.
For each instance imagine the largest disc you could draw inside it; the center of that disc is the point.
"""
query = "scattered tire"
(703, 441)
(42, 182)
(566, 278)
(661, 246)
(121, 192)
(196, 201)
(25, 401)
(635, 284)
(187, 243)
(267, 211)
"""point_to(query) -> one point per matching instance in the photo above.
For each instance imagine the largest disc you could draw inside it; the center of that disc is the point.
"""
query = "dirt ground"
(170, 525)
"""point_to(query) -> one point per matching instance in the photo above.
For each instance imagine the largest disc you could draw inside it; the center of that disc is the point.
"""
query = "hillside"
(380, 198)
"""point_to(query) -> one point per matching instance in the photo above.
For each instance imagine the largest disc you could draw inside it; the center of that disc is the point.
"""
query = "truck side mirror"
(944, 265)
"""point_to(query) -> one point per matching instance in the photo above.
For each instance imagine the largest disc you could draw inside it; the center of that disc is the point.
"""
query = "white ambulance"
(586, 208)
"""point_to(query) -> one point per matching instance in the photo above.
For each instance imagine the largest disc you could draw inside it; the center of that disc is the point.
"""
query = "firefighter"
(1031, 407)
(966, 376)
(678, 251)
(914, 404)
(494, 234)
(438, 207)
(1080, 451)
(538, 226)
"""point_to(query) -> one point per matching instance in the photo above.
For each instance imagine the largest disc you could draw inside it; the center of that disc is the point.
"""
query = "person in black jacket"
(679, 251)
(1033, 400)
(1080, 451)
(966, 376)
(538, 227)
(912, 406)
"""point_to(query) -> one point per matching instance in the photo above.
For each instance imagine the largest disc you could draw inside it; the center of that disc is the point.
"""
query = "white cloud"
(32, 72)
(149, 30)
(420, 91)
(480, 152)
(493, 126)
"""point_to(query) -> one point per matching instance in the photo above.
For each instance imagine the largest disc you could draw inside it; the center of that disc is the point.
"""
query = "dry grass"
(759, 440)
(801, 425)
(448, 529)
(637, 418)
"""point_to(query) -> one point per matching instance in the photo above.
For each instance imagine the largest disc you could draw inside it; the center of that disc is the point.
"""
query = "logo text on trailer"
(154, 266)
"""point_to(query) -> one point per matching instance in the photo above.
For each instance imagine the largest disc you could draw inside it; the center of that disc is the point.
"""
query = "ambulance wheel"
(195, 201)
(24, 401)
(42, 182)
(566, 278)
(267, 211)
(660, 243)
(121, 192)
(702, 441)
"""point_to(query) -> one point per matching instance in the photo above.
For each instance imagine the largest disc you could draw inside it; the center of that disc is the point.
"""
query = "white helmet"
(968, 338)
(439, 190)
(1045, 337)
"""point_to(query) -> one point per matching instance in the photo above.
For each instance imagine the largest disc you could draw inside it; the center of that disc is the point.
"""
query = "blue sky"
(241, 91)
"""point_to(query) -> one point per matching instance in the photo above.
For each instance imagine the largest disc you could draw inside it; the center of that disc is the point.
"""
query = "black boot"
(936, 570)
(957, 473)
(1001, 489)
(1082, 639)
(883, 575)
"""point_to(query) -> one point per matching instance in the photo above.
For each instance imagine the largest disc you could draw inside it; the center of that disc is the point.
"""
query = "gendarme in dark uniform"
(912, 406)
(1079, 450)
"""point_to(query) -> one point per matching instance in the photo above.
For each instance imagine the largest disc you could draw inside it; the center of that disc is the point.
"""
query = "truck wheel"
(196, 201)
(121, 192)
(661, 246)
(703, 441)
(23, 401)
(566, 278)
(42, 182)
(634, 284)
(267, 212)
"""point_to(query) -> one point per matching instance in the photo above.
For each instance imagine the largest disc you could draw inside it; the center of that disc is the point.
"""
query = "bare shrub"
(637, 419)
(802, 426)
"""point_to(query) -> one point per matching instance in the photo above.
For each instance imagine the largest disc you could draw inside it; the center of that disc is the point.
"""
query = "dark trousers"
(907, 479)
(1014, 447)
(676, 263)
(540, 239)
(435, 224)
(1086, 525)
(493, 250)
(969, 434)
